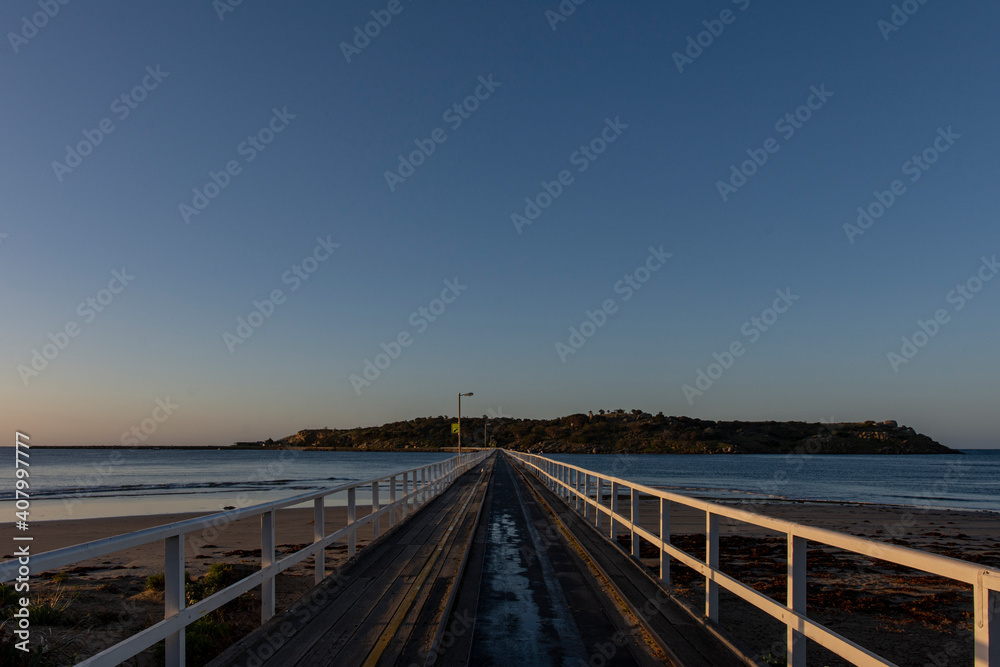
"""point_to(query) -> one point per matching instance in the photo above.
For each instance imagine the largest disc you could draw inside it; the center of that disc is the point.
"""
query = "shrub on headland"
(634, 432)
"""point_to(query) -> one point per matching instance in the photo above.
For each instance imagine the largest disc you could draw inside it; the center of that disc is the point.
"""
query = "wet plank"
(684, 639)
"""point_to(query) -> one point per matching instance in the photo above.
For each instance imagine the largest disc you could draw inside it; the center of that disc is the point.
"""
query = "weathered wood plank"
(680, 634)
(357, 598)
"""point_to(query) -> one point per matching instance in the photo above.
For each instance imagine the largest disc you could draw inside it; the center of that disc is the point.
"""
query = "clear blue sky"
(552, 91)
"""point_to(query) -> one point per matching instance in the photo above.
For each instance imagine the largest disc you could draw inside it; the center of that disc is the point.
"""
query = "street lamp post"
(460, 426)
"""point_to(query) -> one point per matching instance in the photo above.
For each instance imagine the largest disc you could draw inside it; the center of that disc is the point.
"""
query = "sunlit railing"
(406, 489)
(584, 491)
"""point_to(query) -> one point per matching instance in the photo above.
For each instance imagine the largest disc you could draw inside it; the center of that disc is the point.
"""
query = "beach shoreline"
(870, 520)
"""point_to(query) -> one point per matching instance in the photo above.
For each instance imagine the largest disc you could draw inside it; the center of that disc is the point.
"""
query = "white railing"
(584, 490)
(417, 484)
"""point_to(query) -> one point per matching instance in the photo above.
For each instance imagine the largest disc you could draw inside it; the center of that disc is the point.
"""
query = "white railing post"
(574, 480)
(614, 512)
(406, 492)
(423, 485)
(665, 538)
(376, 522)
(352, 515)
(598, 492)
(635, 523)
(986, 622)
(984, 581)
(267, 558)
(319, 532)
(712, 560)
(392, 501)
(796, 599)
(173, 596)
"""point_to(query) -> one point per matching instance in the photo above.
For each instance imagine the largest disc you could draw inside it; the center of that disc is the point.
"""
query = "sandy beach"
(908, 615)
(97, 603)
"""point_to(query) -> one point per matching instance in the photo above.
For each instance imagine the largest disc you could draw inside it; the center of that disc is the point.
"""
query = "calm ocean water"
(81, 483)
(969, 481)
(86, 483)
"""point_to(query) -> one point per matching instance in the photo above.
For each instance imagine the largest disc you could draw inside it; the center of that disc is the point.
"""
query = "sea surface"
(89, 483)
(968, 481)
(85, 483)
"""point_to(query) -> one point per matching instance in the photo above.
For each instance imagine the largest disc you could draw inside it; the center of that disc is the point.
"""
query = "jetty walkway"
(504, 558)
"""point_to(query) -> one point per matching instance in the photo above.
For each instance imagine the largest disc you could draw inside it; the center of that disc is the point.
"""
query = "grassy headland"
(623, 432)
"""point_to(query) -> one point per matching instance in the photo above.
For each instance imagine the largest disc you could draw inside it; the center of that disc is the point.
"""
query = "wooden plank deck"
(385, 606)
(538, 603)
(533, 575)
(685, 640)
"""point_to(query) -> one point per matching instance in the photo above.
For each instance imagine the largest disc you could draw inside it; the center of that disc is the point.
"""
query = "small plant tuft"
(156, 582)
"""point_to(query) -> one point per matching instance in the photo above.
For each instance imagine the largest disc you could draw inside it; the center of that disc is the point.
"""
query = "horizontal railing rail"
(419, 485)
(585, 490)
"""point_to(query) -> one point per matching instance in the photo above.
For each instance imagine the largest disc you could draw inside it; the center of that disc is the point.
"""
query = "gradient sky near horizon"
(62, 235)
